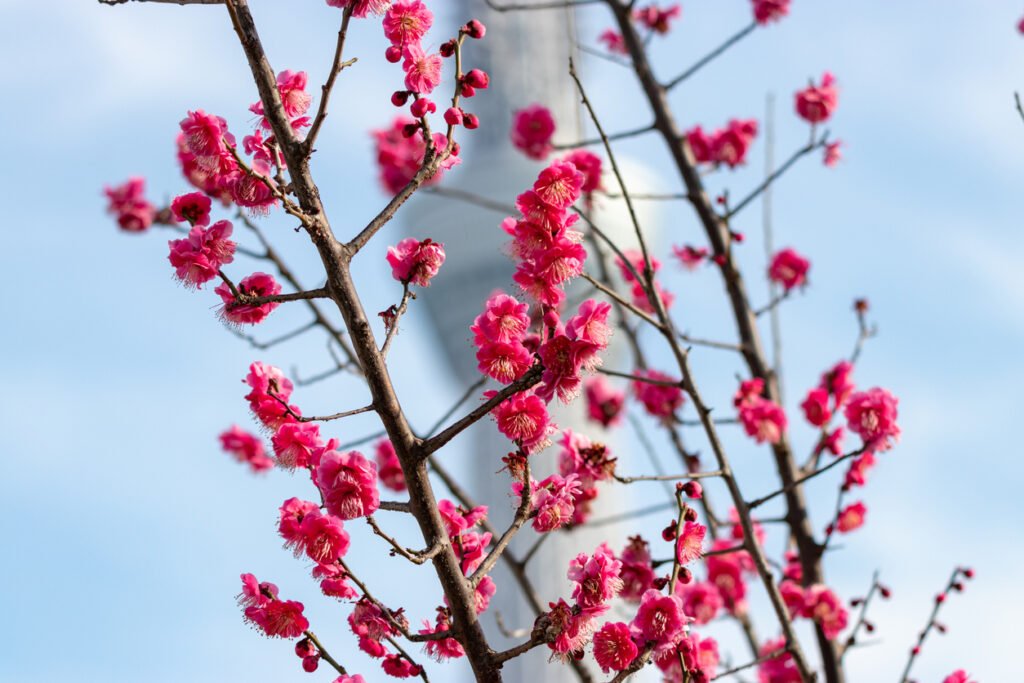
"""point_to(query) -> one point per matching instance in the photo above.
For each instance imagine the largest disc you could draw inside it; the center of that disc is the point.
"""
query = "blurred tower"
(526, 55)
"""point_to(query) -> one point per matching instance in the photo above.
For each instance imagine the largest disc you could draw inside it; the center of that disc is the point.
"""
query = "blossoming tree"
(535, 345)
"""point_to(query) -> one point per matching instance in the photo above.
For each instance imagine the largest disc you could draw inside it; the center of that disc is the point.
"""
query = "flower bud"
(409, 129)
(393, 54)
(685, 575)
(693, 490)
(466, 90)
(399, 98)
(453, 116)
(310, 664)
(475, 29)
(669, 532)
(471, 121)
(422, 107)
(447, 49)
(305, 648)
(690, 515)
(477, 78)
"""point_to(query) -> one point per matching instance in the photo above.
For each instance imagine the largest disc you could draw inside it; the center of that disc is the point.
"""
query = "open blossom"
(447, 648)
(815, 407)
(872, 415)
(637, 573)
(398, 666)
(504, 319)
(857, 475)
(779, 669)
(422, 71)
(295, 442)
(613, 42)
(407, 22)
(532, 130)
(851, 517)
(559, 185)
(389, 469)
(291, 85)
(254, 593)
(457, 519)
(838, 381)
(198, 257)
(553, 500)
(614, 648)
(591, 461)
(726, 146)
(245, 447)
(658, 19)
(415, 261)
(128, 203)
(701, 600)
(523, 418)
(815, 103)
(793, 595)
(596, 577)
(690, 542)
(400, 156)
(640, 299)
(291, 515)
(789, 269)
(762, 419)
(275, 617)
(362, 8)
(268, 384)
(206, 138)
(193, 207)
(660, 400)
(348, 482)
(568, 629)
(589, 164)
(766, 11)
(690, 256)
(726, 573)
(659, 619)
(324, 538)
(604, 402)
(826, 609)
(256, 285)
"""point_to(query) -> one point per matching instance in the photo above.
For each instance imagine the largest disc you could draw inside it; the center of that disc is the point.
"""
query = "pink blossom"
(256, 285)
(857, 475)
(422, 71)
(291, 515)
(832, 442)
(397, 666)
(589, 164)
(295, 442)
(291, 85)
(245, 447)
(872, 415)
(523, 418)
(362, 8)
(640, 299)
(815, 407)
(407, 22)
(389, 469)
(553, 501)
(532, 130)
(542, 277)
(559, 185)
(206, 138)
(730, 145)
(471, 550)
(766, 11)
(483, 593)
(614, 649)
(659, 619)
(368, 620)
(415, 261)
(833, 155)
(198, 258)
(568, 629)
(193, 207)
(345, 678)
(324, 538)
(604, 402)
(590, 324)
(701, 144)
(505, 362)
(268, 384)
(961, 676)
(251, 190)
(851, 517)
(441, 650)
(826, 609)
(590, 461)
(613, 42)
(254, 593)
(348, 482)
(701, 600)
(690, 256)
(596, 577)
(504, 319)
(563, 362)
(780, 669)
(816, 103)
(690, 542)
(839, 381)
(659, 400)
(336, 587)
(726, 573)
(128, 203)
(458, 519)
(789, 269)
(793, 595)
(762, 419)
(637, 573)
(278, 618)
(658, 19)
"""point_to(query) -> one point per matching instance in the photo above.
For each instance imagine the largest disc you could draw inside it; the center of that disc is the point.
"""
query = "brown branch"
(923, 635)
(708, 58)
(392, 328)
(414, 556)
(767, 182)
(336, 67)
(669, 477)
(319, 646)
(758, 502)
(529, 6)
(623, 135)
(518, 520)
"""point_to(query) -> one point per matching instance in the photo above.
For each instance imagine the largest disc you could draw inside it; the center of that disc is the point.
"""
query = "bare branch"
(708, 58)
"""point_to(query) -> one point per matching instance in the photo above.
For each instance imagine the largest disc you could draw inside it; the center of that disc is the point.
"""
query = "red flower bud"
(453, 116)
(475, 29)
(447, 49)
(393, 54)
(310, 664)
(477, 78)
(471, 122)
(399, 98)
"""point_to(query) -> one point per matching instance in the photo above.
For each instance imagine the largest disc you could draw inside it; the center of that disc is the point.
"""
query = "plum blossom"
(851, 517)
(400, 150)
(589, 164)
(604, 402)
(658, 19)
(415, 261)
(689, 256)
(295, 443)
(659, 620)
(348, 482)
(961, 676)
(274, 617)
(789, 269)
(690, 542)
(659, 400)
(128, 203)
(596, 577)
(816, 408)
(728, 145)
(779, 669)
(614, 648)
(246, 448)
(198, 257)
(591, 461)
(255, 285)
(206, 138)
(406, 23)
(362, 8)
(761, 418)
(193, 207)
(826, 609)
(857, 475)
(815, 103)
(523, 418)
(767, 11)
(498, 333)
(701, 600)
(637, 573)
(833, 155)
(269, 388)
(532, 130)
(389, 469)
(422, 71)
(324, 538)
(613, 42)
(872, 416)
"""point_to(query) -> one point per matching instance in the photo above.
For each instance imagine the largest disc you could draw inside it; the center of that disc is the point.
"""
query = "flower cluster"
(415, 261)
(726, 146)
(401, 149)
(246, 448)
(263, 609)
(241, 312)
(198, 258)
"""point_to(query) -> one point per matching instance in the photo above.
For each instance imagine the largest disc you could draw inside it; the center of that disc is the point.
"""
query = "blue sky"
(126, 529)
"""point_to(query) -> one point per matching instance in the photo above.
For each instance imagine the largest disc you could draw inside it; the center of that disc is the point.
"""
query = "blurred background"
(125, 528)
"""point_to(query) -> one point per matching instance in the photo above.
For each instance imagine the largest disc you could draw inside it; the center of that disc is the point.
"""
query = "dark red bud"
(399, 98)
(393, 54)
(447, 49)
(475, 29)
(471, 121)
